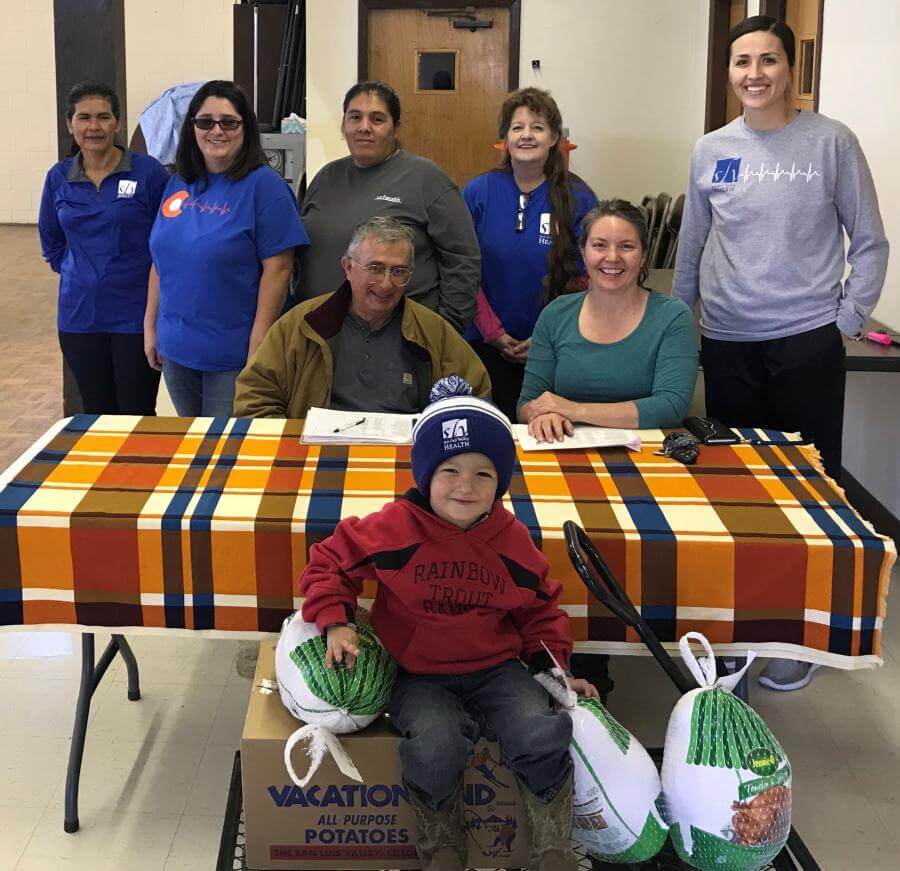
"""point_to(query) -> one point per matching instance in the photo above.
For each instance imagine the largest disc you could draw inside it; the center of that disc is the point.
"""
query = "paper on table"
(583, 437)
(325, 426)
(651, 436)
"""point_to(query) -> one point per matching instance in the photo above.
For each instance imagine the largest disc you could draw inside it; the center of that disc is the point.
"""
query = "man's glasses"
(520, 214)
(400, 276)
(204, 122)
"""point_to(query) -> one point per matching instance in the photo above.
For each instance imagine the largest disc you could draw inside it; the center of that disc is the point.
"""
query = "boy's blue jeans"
(441, 717)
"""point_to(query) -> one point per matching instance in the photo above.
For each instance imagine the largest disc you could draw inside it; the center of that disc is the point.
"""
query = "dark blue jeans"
(196, 393)
(441, 718)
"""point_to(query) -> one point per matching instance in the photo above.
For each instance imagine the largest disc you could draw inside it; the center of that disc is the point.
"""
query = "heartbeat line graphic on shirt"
(206, 207)
(181, 201)
(778, 173)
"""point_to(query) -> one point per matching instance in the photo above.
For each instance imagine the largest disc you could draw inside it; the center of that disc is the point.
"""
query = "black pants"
(794, 384)
(506, 378)
(111, 371)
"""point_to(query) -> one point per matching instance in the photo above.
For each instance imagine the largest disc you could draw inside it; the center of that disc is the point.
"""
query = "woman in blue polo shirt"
(527, 216)
(96, 213)
(223, 249)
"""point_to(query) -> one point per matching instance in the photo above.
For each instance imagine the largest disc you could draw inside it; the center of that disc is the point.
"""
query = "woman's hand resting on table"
(550, 417)
(342, 645)
(551, 403)
(551, 427)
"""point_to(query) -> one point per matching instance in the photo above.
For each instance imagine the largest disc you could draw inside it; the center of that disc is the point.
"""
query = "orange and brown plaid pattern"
(206, 524)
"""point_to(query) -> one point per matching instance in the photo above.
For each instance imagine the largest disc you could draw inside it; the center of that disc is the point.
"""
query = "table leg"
(82, 709)
(134, 685)
(801, 852)
(731, 664)
(91, 675)
(742, 690)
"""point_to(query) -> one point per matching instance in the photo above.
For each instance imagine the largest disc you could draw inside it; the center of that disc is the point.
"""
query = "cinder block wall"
(27, 107)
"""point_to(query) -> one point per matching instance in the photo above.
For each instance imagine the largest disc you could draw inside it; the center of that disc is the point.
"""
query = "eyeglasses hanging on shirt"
(520, 214)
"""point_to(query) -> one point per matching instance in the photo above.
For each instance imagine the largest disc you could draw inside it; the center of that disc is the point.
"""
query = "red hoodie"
(449, 600)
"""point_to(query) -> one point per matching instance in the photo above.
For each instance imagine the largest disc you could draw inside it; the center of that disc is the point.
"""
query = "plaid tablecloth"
(205, 524)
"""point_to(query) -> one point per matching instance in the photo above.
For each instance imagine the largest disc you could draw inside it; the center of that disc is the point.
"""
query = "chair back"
(673, 227)
(648, 204)
(658, 231)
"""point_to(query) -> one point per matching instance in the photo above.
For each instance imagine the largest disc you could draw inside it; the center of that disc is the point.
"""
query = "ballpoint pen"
(349, 425)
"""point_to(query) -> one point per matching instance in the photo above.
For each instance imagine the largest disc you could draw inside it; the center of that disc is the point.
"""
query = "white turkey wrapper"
(726, 779)
(616, 782)
(330, 701)
(616, 788)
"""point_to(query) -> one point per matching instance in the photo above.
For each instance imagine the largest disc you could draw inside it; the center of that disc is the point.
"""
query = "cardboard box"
(335, 822)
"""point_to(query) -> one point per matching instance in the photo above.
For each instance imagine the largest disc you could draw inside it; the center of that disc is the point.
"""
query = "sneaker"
(786, 675)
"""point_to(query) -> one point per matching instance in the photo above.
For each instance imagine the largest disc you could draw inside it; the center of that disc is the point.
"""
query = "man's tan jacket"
(292, 369)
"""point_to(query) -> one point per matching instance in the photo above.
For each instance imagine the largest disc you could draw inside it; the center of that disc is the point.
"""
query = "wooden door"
(451, 82)
(736, 14)
(804, 18)
(722, 105)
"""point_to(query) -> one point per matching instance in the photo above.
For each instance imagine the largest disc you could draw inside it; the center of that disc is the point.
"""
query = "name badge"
(545, 224)
(407, 377)
(127, 188)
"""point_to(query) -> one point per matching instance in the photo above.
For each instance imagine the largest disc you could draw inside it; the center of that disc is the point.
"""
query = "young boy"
(463, 597)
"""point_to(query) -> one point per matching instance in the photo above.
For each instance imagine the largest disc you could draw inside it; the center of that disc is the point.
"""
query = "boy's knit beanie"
(458, 423)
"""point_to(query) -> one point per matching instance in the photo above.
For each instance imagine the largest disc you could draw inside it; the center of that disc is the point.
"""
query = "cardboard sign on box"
(335, 822)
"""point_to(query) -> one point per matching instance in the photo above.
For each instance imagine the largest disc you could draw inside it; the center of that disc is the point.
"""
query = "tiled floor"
(31, 375)
(156, 771)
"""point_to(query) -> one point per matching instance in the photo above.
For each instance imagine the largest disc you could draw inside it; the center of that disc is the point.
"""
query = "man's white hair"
(387, 231)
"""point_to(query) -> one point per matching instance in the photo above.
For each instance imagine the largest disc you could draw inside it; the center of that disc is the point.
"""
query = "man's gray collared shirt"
(374, 370)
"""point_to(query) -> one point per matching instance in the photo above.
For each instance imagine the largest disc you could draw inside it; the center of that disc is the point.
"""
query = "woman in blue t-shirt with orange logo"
(223, 250)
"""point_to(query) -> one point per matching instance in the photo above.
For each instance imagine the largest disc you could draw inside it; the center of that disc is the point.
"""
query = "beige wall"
(859, 48)
(635, 131)
(168, 42)
(27, 108)
(331, 38)
(630, 79)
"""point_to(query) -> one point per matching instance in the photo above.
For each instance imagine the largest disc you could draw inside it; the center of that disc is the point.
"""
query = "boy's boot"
(441, 843)
(551, 829)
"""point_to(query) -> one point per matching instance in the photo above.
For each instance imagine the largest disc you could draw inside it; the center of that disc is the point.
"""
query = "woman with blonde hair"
(527, 215)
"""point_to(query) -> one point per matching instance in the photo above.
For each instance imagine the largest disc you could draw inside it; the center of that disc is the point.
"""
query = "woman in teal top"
(617, 354)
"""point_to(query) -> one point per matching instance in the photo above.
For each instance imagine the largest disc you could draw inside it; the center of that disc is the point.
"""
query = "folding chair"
(673, 225)
(658, 231)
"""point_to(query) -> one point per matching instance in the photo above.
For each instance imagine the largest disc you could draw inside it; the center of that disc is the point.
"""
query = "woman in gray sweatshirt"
(761, 247)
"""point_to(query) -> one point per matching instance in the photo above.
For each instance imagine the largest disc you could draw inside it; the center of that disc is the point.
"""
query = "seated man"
(365, 347)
